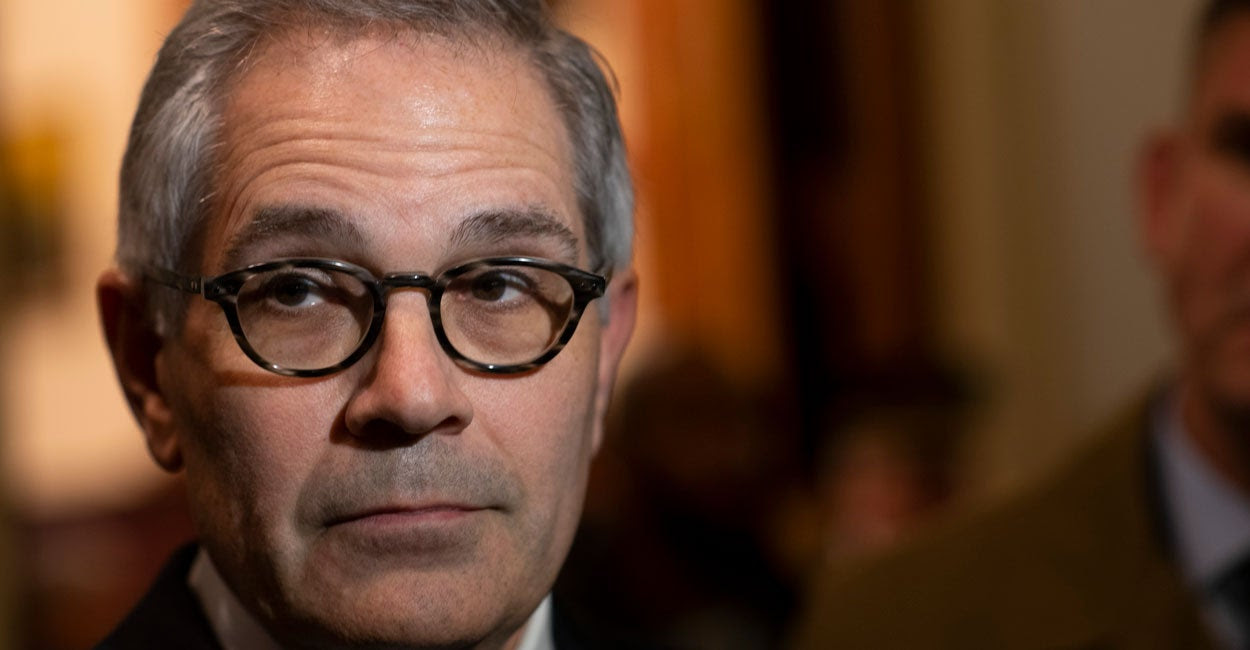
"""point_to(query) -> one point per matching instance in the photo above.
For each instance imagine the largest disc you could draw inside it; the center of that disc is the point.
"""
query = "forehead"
(1223, 75)
(402, 133)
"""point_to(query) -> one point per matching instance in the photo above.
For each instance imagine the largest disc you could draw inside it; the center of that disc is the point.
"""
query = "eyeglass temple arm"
(175, 280)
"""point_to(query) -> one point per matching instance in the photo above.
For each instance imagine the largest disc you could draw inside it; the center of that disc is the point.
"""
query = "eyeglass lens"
(304, 318)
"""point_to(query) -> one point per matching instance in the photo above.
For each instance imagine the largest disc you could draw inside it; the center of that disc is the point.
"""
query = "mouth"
(406, 514)
(426, 532)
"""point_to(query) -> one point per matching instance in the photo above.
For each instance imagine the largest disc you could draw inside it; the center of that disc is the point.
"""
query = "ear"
(622, 311)
(135, 345)
(1159, 179)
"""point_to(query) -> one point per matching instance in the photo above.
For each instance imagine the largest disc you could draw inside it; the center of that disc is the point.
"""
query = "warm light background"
(1025, 117)
(1034, 115)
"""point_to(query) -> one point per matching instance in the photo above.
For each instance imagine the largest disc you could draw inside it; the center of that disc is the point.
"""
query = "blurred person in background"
(356, 239)
(882, 477)
(1142, 540)
(682, 513)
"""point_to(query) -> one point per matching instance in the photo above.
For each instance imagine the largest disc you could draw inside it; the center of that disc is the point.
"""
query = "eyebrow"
(490, 227)
(282, 220)
(498, 226)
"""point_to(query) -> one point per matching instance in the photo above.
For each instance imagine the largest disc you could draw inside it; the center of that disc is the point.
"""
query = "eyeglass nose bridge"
(404, 280)
(413, 280)
(408, 281)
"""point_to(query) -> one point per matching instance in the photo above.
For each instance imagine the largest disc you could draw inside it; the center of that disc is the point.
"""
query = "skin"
(1195, 183)
(406, 501)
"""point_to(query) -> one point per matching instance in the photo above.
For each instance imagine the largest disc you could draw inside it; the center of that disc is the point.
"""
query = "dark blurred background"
(888, 265)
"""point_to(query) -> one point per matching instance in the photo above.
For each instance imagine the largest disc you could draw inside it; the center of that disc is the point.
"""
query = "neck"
(1221, 435)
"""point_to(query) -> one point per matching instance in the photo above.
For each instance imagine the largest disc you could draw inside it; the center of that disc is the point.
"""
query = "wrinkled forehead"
(403, 79)
(401, 123)
(304, 42)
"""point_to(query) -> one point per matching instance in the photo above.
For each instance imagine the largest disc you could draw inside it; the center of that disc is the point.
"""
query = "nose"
(411, 388)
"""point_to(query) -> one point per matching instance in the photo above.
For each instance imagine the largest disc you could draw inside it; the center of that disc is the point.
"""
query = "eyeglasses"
(310, 317)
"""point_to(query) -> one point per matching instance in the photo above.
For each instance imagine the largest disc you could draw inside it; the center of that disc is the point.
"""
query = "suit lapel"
(168, 616)
(1118, 550)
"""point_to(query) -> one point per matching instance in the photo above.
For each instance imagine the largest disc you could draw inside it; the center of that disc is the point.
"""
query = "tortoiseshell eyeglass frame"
(224, 290)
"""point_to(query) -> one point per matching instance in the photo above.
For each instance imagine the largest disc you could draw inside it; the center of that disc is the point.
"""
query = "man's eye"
(293, 291)
(1232, 138)
(498, 286)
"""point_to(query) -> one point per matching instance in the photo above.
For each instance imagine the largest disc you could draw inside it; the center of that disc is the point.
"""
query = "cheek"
(1213, 254)
(248, 450)
(543, 421)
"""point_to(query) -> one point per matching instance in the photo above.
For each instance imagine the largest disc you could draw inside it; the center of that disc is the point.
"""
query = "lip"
(429, 532)
(396, 515)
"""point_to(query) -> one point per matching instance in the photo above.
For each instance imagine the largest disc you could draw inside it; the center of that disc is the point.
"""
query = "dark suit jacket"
(1079, 561)
(169, 616)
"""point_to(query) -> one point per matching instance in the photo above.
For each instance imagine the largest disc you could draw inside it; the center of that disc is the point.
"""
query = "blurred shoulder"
(1042, 568)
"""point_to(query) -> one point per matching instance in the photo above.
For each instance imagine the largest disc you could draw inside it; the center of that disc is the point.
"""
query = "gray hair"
(167, 171)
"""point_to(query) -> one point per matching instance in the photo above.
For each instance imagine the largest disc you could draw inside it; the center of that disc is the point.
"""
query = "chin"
(403, 611)
(391, 629)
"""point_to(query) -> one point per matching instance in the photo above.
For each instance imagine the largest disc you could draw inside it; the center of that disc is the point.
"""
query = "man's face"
(405, 499)
(1198, 223)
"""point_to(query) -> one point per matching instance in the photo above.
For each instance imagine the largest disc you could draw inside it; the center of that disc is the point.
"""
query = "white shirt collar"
(237, 629)
(234, 626)
(538, 634)
(1208, 517)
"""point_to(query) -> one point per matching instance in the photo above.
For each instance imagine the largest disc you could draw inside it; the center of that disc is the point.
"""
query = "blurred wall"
(1034, 110)
(70, 73)
(692, 105)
